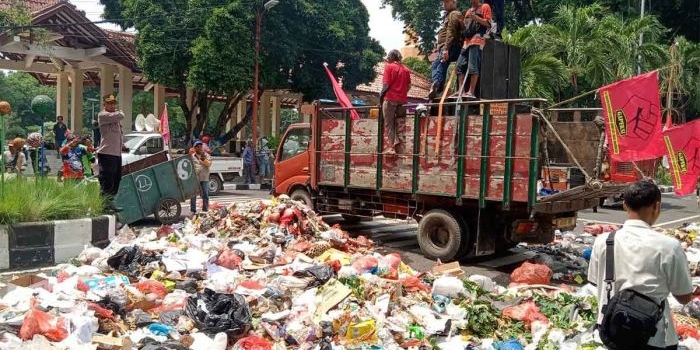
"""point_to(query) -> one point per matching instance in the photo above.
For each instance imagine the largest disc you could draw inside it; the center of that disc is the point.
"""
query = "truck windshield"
(131, 141)
(297, 141)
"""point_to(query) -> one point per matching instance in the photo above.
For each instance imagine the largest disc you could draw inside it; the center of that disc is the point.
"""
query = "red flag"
(683, 151)
(165, 126)
(633, 116)
(340, 94)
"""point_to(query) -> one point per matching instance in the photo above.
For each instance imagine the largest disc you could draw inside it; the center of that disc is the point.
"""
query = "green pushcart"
(156, 189)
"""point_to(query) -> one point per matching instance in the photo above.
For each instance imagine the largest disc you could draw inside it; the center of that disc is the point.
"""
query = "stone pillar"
(76, 101)
(264, 116)
(276, 116)
(106, 80)
(62, 95)
(126, 96)
(158, 100)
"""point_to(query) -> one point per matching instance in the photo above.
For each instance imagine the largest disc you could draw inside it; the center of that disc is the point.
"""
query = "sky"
(383, 27)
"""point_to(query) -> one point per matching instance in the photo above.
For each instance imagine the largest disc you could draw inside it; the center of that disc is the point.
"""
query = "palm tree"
(681, 80)
(541, 74)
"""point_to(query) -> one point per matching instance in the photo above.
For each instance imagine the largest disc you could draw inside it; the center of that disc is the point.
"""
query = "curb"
(36, 244)
(667, 189)
(235, 187)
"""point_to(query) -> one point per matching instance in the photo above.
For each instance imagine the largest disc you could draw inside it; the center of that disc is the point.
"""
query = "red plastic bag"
(62, 276)
(366, 264)
(81, 286)
(685, 331)
(152, 287)
(229, 259)
(527, 312)
(39, 322)
(389, 266)
(100, 311)
(252, 342)
(413, 284)
(529, 273)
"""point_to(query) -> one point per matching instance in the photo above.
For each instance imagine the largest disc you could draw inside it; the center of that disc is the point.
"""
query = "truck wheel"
(302, 196)
(440, 235)
(168, 210)
(215, 185)
(467, 241)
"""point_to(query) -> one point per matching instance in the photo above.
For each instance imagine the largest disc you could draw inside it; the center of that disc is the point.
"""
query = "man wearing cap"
(202, 164)
(396, 83)
(109, 154)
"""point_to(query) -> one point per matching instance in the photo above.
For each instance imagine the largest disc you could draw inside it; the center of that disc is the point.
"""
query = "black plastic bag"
(215, 312)
(320, 273)
(170, 318)
(140, 318)
(130, 259)
(108, 304)
(189, 285)
(151, 344)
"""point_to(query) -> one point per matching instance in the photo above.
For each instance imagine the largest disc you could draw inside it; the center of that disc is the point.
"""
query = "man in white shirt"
(645, 261)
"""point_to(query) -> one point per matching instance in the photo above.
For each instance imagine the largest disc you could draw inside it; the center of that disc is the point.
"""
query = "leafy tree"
(19, 88)
(418, 65)
(207, 46)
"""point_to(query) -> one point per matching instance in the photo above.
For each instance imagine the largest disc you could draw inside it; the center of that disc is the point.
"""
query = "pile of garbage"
(270, 275)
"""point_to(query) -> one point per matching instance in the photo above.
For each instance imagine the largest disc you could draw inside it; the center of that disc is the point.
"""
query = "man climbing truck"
(468, 175)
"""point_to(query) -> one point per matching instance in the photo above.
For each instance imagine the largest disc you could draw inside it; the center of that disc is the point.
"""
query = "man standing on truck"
(109, 154)
(248, 163)
(202, 164)
(479, 25)
(645, 261)
(449, 42)
(394, 94)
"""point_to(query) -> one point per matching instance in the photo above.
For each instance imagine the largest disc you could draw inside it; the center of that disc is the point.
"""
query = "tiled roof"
(420, 85)
(33, 5)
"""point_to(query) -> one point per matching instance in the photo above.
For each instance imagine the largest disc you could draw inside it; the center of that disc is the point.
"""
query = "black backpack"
(629, 318)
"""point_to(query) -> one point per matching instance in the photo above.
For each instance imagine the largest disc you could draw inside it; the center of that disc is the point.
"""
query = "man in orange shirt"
(396, 83)
(479, 25)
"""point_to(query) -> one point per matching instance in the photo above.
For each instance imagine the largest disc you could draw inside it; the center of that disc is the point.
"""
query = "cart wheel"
(168, 210)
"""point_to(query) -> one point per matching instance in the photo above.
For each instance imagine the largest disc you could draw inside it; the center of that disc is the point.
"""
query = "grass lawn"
(29, 200)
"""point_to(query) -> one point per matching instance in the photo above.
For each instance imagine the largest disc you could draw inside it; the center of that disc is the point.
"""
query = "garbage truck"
(469, 172)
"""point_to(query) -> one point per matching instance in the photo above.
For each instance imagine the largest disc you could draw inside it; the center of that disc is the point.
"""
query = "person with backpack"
(449, 39)
(634, 270)
(478, 24)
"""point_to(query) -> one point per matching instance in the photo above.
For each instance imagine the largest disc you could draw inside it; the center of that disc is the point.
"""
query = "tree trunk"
(225, 115)
(203, 103)
(240, 125)
(187, 112)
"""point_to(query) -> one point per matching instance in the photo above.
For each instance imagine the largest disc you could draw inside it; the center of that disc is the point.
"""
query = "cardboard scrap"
(332, 293)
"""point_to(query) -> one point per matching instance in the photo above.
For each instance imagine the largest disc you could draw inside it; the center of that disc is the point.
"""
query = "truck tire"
(215, 185)
(302, 196)
(467, 239)
(440, 235)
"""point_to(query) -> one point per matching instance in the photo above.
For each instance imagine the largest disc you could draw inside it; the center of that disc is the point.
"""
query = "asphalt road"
(674, 212)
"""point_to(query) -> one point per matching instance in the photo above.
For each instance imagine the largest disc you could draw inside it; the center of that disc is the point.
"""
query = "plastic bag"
(414, 284)
(169, 317)
(529, 273)
(151, 344)
(320, 273)
(152, 287)
(252, 342)
(215, 312)
(687, 331)
(527, 312)
(366, 264)
(130, 259)
(511, 344)
(389, 266)
(39, 322)
(229, 259)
